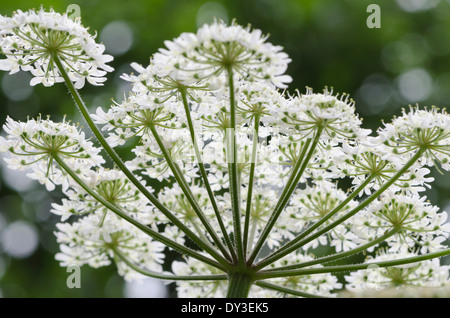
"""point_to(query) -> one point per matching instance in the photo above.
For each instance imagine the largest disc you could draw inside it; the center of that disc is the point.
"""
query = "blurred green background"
(406, 61)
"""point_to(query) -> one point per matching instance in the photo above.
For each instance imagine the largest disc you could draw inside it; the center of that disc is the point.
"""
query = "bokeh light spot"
(20, 239)
(148, 288)
(415, 85)
(117, 36)
(15, 179)
(411, 50)
(417, 5)
(17, 86)
(375, 92)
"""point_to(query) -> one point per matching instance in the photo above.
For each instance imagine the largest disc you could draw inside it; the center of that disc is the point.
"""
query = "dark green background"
(329, 43)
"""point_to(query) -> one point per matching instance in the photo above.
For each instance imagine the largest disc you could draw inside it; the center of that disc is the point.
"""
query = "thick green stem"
(235, 186)
(250, 184)
(239, 285)
(204, 174)
(142, 227)
(121, 165)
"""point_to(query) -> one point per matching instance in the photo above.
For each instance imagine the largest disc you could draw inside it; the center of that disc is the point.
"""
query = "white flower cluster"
(33, 144)
(32, 41)
(338, 117)
(97, 233)
(421, 226)
(424, 274)
(97, 239)
(426, 129)
(307, 175)
(218, 47)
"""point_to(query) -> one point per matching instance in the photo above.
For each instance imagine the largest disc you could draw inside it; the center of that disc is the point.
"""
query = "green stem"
(330, 214)
(239, 285)
(285, 290)
(204, 174)
(120, 164)
(168, 277)
(321, 221)
(250, 183)
(187, 191)
(352, 268)
(202, 235)
(340, 255)
(288, 190)
(142, 227)
(233, 173)
(290, 247)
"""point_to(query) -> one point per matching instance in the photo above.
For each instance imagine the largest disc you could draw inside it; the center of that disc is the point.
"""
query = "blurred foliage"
(405, 61)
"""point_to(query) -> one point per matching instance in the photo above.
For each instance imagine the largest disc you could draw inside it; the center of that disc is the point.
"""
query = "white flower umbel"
(37, 41)
(417, 222)
(306, 112)
(217, 49)
(114, 187)
(34, 145)
(97, 240)
(426, 129)
(265, 194)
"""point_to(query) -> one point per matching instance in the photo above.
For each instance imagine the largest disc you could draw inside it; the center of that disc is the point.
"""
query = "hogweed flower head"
(34, 145)
(255, 178)
(218, 48)
(335, 114)
(35, 41)
(425, 129)
(96, 240)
